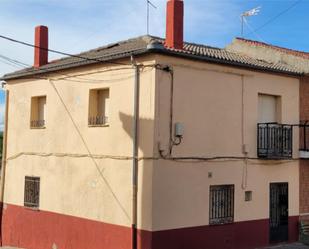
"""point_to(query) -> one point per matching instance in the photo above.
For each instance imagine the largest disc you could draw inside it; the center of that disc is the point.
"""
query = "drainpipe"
(4, 154)
(135, 152)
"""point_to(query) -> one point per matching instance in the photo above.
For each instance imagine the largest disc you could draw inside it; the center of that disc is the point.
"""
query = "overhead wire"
(59, 52)
(201, 159)
(12, 62)
(17, 63)
(9, 63)
(48, 70)
(188, 159)
(88, 150)
(276, 17)
(21, 64)
(253, 31)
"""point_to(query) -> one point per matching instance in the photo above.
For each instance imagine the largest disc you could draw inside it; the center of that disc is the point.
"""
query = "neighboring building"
(300, 61)
(217, 150)
(270, 53)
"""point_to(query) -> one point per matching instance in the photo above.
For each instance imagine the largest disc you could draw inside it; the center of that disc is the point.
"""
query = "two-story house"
(151, 143)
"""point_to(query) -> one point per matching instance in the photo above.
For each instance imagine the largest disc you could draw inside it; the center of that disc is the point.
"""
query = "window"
(32, 192)
(98, 107)
(221, 204)
(248, 195)
(269, 108)
(38, 112)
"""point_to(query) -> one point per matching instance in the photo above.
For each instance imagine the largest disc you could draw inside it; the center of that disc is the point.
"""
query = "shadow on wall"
(146, 127)
(127, 123)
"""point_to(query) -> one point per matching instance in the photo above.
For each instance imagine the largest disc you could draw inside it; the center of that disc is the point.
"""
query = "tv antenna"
(252, 12)
(149, 4)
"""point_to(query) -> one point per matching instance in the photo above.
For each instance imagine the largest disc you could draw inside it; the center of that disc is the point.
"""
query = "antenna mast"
(149, 3)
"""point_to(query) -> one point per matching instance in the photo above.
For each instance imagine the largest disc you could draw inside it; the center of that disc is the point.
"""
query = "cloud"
(79, 25)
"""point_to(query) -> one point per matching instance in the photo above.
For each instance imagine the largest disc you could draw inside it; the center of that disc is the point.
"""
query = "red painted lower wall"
(31, 229)
(239, 235)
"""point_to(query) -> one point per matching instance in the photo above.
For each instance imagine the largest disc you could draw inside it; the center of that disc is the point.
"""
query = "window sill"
(103, 125)
(38, 128)
(221, 224)
(36, 209)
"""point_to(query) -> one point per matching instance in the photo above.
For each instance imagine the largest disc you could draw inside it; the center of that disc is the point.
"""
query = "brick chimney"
(174, 24)
(41, 41)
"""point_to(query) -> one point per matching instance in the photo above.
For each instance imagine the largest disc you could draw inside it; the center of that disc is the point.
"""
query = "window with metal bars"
(221, 204)
(98, 107)
(38, 112)
(32, 192)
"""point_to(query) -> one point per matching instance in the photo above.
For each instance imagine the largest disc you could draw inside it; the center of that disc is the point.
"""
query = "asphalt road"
(290, 246)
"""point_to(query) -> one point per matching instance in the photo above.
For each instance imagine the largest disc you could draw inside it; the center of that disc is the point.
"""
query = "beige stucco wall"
(208, 102)
(72, 182)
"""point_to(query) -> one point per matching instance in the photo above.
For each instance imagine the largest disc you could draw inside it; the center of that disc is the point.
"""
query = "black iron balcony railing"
(274, 141)
(37, 123)
(97, 120)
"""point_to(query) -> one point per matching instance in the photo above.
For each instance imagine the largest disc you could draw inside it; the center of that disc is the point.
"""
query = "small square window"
(38, 112)
(248, 196)
(221, 204)
(98, 107)
(32, 192)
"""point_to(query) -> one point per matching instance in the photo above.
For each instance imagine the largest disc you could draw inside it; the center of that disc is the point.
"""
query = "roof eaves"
(222, 61)
(74, 64)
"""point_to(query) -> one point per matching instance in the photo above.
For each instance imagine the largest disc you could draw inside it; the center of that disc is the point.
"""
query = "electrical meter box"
(179, 130)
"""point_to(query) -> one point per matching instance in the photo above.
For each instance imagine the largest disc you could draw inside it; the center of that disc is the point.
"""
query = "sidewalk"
(288, 246)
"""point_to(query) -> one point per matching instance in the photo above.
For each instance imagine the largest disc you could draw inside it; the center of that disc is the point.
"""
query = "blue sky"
(79, 25)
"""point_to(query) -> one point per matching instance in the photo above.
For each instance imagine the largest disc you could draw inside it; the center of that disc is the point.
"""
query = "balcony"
(35, 124)
(98, 121)
(274, 141)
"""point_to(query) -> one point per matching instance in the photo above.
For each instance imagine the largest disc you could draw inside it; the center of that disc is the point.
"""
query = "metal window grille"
(221, 204)
(274, 140)
(98, 120)
(37, 123)
(32, 192)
